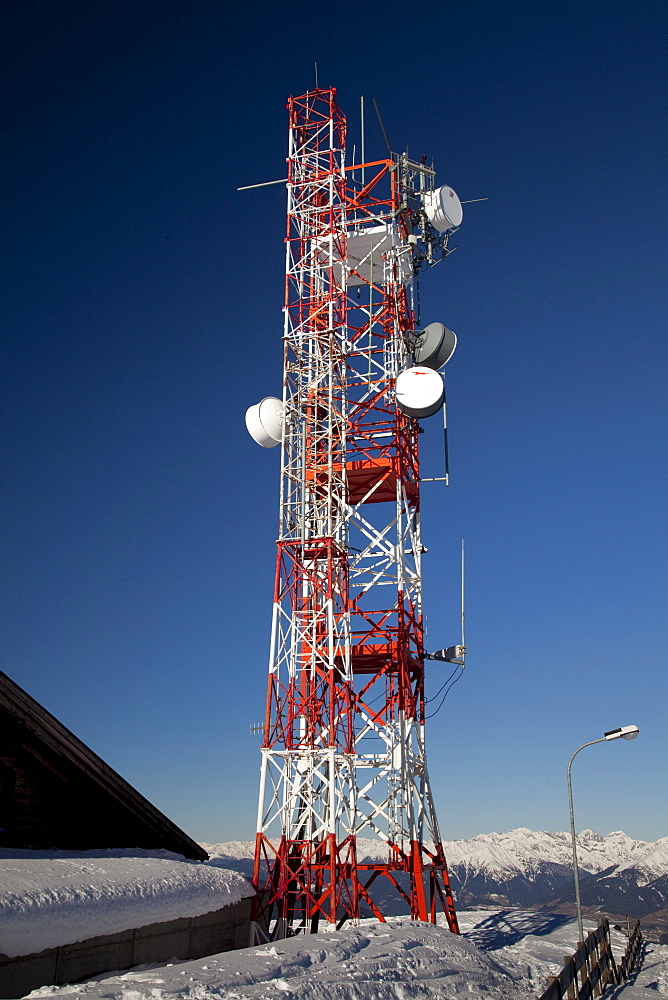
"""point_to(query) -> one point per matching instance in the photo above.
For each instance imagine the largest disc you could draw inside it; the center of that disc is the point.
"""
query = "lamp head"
(624, 733)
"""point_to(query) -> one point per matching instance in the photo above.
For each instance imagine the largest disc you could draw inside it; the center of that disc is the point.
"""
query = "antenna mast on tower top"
(343, 753)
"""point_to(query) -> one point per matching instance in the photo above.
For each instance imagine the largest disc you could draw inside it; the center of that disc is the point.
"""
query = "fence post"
(570, 965)
(611, 975)
(552, 988)
(595, 966)
(584, 964)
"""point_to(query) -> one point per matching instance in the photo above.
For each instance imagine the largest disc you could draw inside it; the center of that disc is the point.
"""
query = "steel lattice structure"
(343, 752)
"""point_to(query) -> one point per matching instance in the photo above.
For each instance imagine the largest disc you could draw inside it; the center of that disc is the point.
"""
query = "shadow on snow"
(507, 927)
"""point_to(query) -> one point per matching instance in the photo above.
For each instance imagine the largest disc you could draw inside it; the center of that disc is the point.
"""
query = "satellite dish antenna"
(264, 421)
(419, 391)
(444, 209)
(434, 347)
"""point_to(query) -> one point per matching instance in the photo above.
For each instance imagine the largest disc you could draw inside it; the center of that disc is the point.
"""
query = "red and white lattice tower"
(343, 753)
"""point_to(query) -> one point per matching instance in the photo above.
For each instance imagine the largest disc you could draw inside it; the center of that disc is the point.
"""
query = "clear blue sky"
(141, 315)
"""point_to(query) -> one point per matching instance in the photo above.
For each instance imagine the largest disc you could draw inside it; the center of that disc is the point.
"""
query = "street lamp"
(624, 733)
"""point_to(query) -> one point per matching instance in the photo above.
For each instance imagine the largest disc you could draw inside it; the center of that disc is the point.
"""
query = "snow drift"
(53, 898)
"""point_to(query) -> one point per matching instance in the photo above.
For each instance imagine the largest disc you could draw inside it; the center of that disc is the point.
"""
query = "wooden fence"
(592, 969)
(632, 950)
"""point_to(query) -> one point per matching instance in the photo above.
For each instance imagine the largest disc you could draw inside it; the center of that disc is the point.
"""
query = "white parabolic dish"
(444, 209)
(264, 422)
(419, 391)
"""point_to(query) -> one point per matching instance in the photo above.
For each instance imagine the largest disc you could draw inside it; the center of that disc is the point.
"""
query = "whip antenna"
(447, 473)
(463, 615)
(382, 127)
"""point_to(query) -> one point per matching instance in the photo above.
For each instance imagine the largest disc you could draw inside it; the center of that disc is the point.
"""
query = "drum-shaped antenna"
(434, 347)
(264, 422)
(419, 391)
(444, 209)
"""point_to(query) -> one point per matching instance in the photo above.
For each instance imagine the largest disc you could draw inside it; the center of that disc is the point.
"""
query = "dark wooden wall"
(46, 801)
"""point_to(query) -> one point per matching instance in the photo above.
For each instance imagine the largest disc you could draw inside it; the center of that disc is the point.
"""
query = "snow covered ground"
(502, 954)
(53, 898)
(531, 946)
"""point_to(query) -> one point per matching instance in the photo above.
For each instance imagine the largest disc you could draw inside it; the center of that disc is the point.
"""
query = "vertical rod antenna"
(362, 130)
(315, 67)
(382, 128)
(463, 615)
(445, 440)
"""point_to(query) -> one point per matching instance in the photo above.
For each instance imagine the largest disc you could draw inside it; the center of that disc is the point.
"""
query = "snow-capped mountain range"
(527, 868)
(522, 851)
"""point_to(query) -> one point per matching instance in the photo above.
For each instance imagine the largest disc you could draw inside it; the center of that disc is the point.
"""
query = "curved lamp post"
(624, 733)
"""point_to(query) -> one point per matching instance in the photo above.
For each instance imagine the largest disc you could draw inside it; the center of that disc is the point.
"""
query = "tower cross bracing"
(343, 753)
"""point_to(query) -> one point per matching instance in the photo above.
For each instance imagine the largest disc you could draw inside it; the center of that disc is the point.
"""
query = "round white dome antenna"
(419, 391)
(434, 346)
(444, 209)
(264, 421)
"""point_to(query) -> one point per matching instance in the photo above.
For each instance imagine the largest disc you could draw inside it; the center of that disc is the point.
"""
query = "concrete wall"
(189, 937)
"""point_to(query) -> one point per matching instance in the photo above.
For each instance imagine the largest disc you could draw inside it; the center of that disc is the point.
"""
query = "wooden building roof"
(56, 793)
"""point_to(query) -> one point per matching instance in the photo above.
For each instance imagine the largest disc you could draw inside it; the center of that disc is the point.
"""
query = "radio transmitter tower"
(343, 754)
